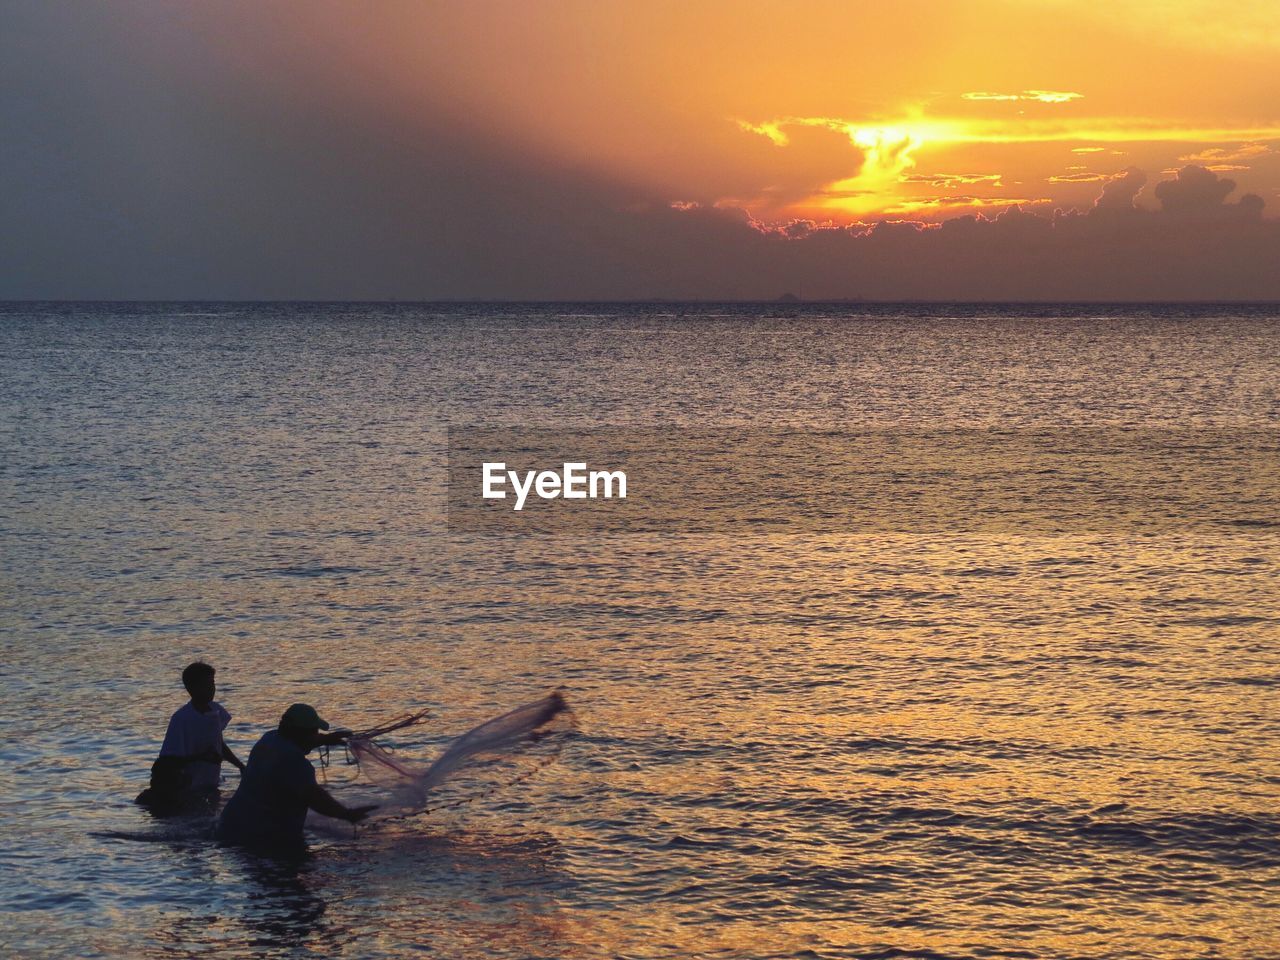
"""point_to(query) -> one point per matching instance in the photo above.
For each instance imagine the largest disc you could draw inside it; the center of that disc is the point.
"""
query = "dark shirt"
(270, 805)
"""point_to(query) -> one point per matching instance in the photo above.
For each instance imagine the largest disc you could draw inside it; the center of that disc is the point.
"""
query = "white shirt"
(191, 732)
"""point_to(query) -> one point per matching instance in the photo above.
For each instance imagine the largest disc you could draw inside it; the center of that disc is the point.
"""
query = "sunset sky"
(244, 148)
(850, 110)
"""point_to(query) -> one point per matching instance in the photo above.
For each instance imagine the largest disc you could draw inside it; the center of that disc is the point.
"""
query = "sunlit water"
(809, 745)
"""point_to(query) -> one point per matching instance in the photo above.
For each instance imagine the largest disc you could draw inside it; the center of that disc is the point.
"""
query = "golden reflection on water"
(753, 715)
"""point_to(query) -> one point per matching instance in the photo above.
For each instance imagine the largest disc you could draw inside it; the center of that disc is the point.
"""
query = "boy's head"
(198, 679)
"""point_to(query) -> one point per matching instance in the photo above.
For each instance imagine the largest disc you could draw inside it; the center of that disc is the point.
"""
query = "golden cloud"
(1043, 96)
(1223, 155)
(1080, 178)
(934, 203)
(951, 179)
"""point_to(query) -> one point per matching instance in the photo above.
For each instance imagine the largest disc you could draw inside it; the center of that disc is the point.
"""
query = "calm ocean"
(936, 743)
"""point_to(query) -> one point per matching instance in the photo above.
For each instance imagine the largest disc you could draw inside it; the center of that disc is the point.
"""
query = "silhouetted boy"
(191, 756)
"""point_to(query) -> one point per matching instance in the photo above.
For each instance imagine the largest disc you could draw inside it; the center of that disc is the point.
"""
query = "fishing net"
(498, 753)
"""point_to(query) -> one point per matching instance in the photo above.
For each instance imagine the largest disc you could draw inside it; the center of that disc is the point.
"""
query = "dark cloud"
(813, 157)
(1198, 192)
(1120, 192)
(1116, 250)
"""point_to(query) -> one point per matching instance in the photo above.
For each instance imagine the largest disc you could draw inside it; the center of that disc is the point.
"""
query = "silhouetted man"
(278, 786)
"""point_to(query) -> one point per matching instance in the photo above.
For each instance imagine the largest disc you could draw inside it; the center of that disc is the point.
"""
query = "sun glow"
(887, 180)
(888, 153)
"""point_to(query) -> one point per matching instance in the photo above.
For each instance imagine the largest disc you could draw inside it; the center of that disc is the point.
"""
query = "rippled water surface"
(800, 745)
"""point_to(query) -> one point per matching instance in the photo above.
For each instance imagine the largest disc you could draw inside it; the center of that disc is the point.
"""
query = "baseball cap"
(303, 716)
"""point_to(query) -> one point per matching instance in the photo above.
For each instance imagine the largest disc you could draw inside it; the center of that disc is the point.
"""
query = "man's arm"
(335, 738)
(321, 801)
(231, 758)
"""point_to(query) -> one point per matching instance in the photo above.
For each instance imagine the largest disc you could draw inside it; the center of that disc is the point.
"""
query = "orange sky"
(614, 149)
(848, 111)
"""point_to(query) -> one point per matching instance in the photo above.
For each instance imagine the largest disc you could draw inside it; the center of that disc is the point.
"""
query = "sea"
(1055, 737)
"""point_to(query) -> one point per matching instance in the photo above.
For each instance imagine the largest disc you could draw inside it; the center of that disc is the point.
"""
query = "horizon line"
(783, 301)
